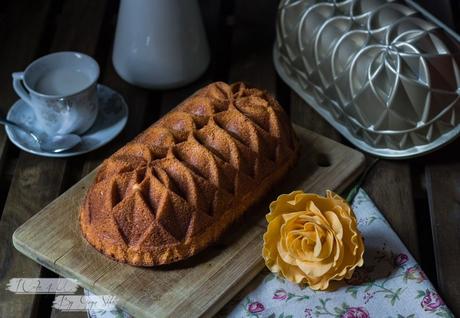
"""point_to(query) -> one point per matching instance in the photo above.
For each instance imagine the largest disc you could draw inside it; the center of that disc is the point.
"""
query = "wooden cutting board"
(201, 285)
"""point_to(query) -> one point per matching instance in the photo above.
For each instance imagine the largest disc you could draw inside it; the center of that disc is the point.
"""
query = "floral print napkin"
(391, 284)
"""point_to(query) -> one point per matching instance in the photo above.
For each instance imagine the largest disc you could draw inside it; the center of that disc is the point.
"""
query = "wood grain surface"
(53, 239)
(306, 116)
(443, 187)
(389, 185)
(241, 35)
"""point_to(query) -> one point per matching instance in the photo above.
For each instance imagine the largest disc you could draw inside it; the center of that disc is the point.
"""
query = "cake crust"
(175, 188)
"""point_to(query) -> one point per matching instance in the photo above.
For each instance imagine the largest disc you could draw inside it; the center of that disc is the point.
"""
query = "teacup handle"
(18, 85)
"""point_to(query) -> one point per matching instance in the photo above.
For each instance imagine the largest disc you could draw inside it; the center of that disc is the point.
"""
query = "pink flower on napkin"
(415, 273)
(401, 259)
(280, 294)
(356, 312)
(255, 307)
(431, 301)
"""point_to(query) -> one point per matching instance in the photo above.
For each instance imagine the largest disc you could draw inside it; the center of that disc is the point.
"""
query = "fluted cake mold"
(384, 75)
(175, 188)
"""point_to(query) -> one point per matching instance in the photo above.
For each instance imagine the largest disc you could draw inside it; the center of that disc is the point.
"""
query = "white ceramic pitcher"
(160, 43)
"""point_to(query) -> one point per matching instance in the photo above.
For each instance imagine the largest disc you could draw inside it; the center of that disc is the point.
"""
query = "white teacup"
(61, 89)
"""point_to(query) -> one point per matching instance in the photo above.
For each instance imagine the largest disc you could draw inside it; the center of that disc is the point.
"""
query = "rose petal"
(318, 244)
(315, 269)
(292, 273)
(326, 248)
(334, 221)
(314, 209)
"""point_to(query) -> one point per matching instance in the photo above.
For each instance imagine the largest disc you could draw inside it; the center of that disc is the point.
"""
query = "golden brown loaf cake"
(173, 190)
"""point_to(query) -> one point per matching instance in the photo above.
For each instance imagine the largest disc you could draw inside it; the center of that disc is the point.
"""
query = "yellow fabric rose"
(312, 239)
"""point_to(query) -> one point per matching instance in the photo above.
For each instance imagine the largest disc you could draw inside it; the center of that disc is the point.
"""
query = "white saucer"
(110, 121)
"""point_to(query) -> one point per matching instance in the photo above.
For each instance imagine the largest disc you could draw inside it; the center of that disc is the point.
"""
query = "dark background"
(420, 197)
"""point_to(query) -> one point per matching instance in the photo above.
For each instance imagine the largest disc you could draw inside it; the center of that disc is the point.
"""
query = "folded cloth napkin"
(390, 284)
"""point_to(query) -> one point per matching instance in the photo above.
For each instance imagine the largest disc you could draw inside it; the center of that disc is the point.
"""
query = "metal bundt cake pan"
(382, 73)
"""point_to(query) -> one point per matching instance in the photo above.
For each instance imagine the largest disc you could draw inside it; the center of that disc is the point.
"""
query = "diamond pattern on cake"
(179, 177)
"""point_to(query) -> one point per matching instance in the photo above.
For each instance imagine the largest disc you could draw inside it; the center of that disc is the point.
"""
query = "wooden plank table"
(420, 197)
